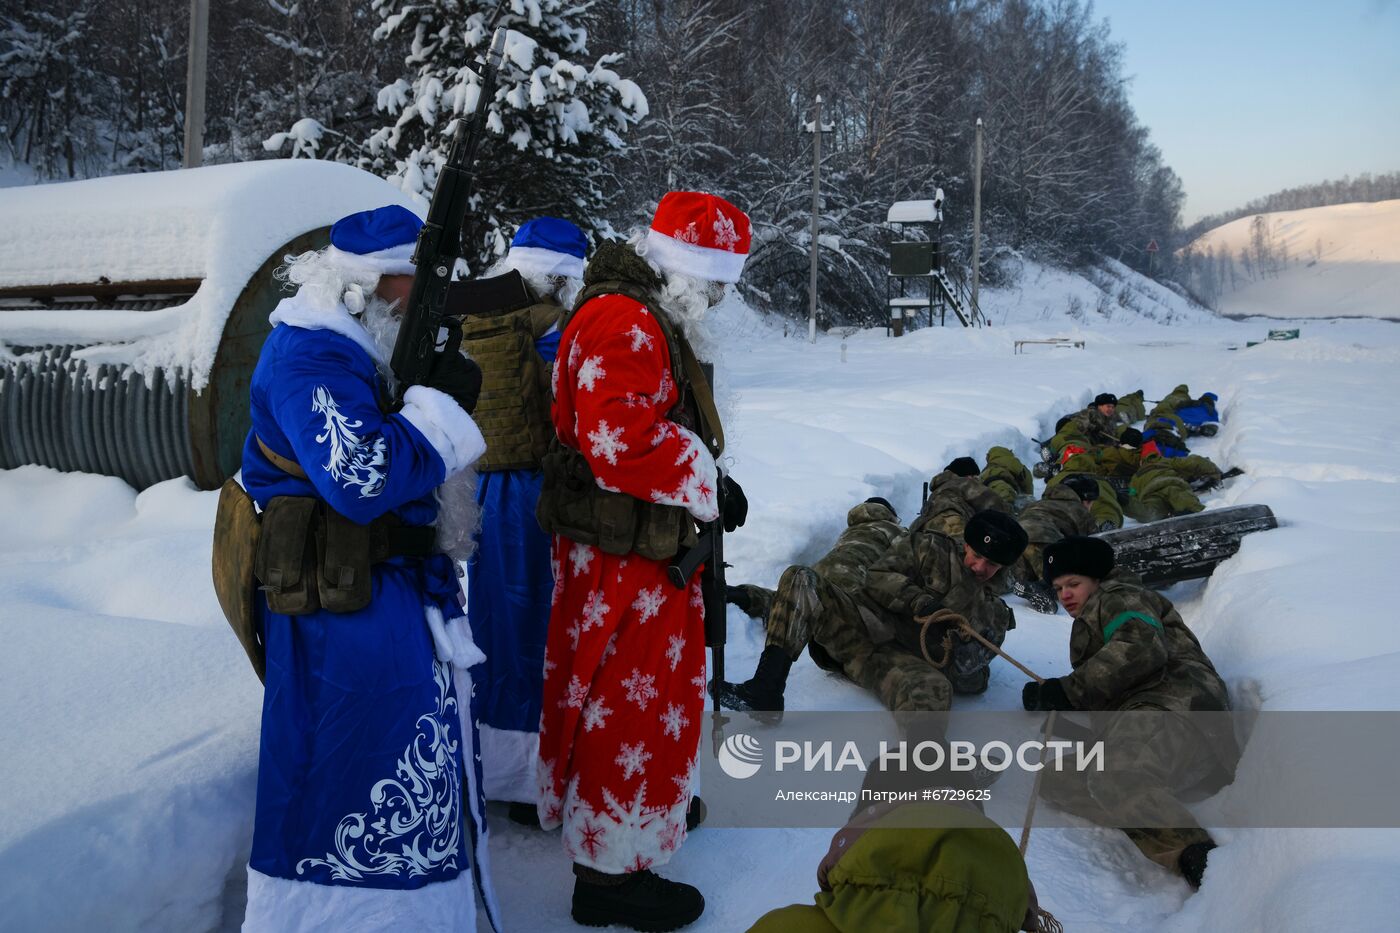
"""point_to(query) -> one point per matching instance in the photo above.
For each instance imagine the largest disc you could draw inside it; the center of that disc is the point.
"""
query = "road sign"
(1152, 246)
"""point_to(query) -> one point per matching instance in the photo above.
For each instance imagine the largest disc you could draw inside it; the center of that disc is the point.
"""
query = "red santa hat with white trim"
(700, 235)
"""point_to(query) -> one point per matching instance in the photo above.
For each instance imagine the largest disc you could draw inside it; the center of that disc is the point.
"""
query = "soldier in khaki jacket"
(1131, 652)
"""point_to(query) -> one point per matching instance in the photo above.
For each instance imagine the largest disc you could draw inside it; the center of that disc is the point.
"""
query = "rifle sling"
(282, 463)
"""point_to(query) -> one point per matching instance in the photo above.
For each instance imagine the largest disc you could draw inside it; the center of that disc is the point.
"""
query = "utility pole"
(194, 83)
(816, 128)
(976, 213)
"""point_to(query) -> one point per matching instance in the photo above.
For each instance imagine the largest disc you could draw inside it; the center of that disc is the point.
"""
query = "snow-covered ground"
(130, 715)
(1339, 261)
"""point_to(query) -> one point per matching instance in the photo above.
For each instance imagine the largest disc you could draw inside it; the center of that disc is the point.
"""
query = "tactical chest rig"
(513, 408)
(571, 502)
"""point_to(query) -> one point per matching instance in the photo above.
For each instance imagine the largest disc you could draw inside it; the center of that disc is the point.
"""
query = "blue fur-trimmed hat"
(376, 242)
(548, 246)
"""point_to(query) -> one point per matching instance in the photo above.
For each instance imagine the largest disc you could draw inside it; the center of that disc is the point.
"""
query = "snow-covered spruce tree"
(554, 122)
(48, 89)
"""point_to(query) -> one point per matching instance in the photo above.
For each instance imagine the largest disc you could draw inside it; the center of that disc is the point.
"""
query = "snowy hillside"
(131, 717)
(1337, 261)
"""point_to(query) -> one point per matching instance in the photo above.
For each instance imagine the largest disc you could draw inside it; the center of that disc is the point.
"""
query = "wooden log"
(1187, 547)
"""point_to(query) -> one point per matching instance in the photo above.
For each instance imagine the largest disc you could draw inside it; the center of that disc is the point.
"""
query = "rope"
(954, 620)
(963, 627)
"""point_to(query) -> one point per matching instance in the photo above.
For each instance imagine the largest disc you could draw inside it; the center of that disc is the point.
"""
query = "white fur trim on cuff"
(539, 261)
(451, 431)
(701, 262)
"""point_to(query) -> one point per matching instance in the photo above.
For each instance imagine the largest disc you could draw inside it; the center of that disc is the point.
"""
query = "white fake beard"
(459, 517)
(686, 300)
(561, 289)
(382, 324)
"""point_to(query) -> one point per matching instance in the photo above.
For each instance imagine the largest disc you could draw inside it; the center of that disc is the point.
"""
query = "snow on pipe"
(59, 412)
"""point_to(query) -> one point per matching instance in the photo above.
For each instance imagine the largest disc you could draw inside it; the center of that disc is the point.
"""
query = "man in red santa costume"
(631, 473)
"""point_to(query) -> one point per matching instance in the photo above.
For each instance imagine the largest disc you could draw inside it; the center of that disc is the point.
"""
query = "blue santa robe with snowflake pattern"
(361, 816)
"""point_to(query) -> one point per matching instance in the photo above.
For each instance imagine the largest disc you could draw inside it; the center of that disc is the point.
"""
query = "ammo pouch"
(310, 557)
(236, 533)
(513, 408)
(571, 504)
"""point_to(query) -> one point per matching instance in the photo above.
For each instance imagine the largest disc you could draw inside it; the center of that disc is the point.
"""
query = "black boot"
(695, 814)
(1192, 862)
(764, 691)
(640, 900)
(525, 814)
(753, 601)
(1038, 593)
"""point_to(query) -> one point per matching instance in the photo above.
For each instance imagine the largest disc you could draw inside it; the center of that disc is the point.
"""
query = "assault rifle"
(709, 550)
(440, 240)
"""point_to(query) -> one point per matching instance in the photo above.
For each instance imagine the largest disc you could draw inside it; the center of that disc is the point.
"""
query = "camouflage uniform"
(1086, 430)
(830, 606)
(1058, 514)
(920, 563)
(1006, 476)
(1131, 651)
(870, 528)
(952, 500)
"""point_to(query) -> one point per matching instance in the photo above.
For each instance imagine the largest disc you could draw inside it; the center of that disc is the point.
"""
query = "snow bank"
(217, 224)
(1109, 293)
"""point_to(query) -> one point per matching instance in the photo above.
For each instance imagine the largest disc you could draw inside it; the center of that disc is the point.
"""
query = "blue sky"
(1245, 97)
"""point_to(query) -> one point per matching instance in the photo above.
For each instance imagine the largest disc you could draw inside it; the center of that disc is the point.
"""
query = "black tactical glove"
(457, 376)
(1047, 696)
(736, 505)
(924, 605)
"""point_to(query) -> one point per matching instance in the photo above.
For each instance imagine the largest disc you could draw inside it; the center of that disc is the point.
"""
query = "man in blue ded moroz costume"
(366, 817)
(510, 582)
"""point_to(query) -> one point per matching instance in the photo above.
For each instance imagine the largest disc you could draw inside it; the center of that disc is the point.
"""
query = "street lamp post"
(816, 127)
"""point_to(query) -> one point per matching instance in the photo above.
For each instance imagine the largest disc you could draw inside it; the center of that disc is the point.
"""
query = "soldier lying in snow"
(955, 495)
(857, 607)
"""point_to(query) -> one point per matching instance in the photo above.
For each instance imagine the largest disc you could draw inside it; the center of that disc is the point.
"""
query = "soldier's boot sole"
(1192, 862)
(1038, 595)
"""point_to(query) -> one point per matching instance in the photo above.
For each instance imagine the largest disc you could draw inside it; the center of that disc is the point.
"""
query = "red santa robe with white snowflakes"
(624, 678)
